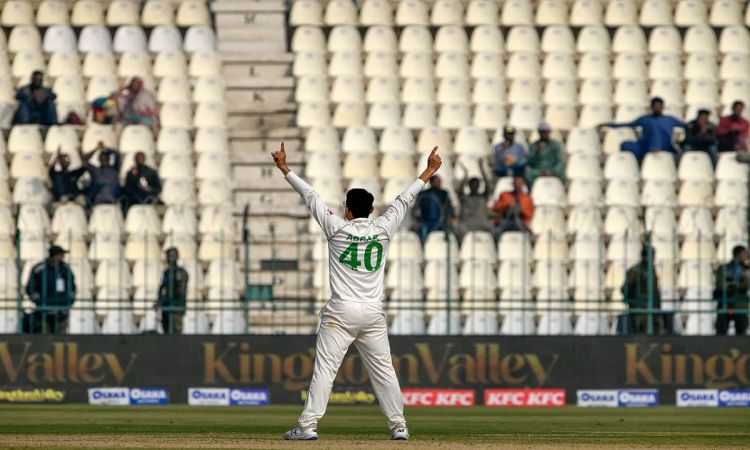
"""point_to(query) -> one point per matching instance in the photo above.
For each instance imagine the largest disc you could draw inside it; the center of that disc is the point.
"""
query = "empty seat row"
(116, 13)
(553, 39)
(648, 13)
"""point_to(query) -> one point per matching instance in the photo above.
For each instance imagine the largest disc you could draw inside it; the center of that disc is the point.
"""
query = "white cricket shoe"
(400, 432)
(299, 433)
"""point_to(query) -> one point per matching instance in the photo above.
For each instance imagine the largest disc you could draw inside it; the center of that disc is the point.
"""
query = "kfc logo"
(524, 397)
(438, 397)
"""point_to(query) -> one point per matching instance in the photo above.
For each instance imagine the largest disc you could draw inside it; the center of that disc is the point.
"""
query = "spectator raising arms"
(545, 157)
(432, 209)
(137, 105)
(64, 181)
(700, 135)
(656, 131)
(733, 129)
(514, 208)
(36, 103)
(142, 183)
(509, 155)
(105, 179)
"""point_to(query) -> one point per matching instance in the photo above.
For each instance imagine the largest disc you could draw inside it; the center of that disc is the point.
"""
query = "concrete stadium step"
(285, 283)
(256, 149)
(264, 202)
(264, 65)
(278, 228)
(261, 177)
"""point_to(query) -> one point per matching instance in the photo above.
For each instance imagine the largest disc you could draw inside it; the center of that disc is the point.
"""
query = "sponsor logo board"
(597, 398)
(439, 397)
(109, 396)
(27, 395)
(524, 397)
(697, 397)
(149, 396)
(637, 398)
(249, 397)
(734, 397)
(208, 396)
(346, 397)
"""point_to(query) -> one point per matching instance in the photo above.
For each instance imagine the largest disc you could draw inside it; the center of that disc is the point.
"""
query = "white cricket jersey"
(357, 249)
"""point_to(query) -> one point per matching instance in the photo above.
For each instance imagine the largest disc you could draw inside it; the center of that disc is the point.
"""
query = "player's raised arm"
(325, 217)
(394, 215)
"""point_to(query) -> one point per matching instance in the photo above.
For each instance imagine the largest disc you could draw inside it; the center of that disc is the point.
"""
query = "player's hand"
(434, 162)
(279, 157)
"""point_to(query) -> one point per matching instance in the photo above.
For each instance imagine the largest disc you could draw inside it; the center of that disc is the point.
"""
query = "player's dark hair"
(359, 202)
(737, 103)
(737, 250)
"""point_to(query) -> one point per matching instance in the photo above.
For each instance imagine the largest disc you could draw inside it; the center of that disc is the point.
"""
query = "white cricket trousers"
(364, 324)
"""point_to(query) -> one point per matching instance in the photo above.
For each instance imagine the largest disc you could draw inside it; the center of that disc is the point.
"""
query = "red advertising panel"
(438, 397)
(524, 397)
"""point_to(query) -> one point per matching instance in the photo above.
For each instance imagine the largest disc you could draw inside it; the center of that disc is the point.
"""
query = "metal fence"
(513, 284)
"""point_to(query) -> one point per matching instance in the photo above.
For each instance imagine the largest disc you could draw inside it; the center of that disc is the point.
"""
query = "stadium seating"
(444, 73)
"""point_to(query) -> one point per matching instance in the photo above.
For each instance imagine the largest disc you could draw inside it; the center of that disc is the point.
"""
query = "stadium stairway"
(259, 87)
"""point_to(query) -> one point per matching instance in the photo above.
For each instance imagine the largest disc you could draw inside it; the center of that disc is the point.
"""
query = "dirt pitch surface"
(79, 426)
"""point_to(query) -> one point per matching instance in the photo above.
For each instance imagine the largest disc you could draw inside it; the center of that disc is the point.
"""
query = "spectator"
(105, 179)
(64, 181)
(52, 288)
(36, 103)
(545, 157)
(137, 105)
(733, 129)
(732, 283)
(173, 293)
(510, 157)
(142, 183)
(700, 135)
(656, 131)
(104, 110)
(433, 209)
(641, 291)
(514, 208)
(474, 214)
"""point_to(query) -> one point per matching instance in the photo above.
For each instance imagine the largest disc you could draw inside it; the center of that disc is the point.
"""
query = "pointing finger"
(282, 146)
(434, 150)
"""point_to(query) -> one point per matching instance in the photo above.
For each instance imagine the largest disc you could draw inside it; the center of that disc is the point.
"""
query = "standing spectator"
(700, 135)
(656, 131)
(142, 183)
(474, 213)
(545, 157)
(52, 288)
(432, 209)
(64, 181)
(173, 294)
(733, 129)
(732, 283)
(105, 179)
(509, 155)
(641, 290)
(137, 105)
(36, 103)
(514, 208)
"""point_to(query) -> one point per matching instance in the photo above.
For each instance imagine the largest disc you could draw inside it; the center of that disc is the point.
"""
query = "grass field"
(79, 426)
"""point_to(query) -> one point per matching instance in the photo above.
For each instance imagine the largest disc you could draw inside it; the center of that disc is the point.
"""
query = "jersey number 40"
(350, 256)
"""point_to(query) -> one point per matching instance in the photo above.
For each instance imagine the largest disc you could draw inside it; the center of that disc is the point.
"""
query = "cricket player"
(357, 249)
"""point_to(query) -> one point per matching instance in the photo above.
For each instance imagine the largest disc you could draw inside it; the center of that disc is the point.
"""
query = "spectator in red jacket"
(514, 208)
(733, 129)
